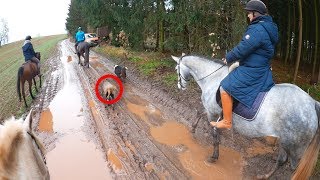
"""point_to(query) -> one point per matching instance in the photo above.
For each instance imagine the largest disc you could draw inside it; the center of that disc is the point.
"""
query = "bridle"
(38, 146)
(180, 75)
(185, 79)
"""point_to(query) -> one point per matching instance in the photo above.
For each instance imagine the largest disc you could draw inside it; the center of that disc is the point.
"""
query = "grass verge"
(11, 58)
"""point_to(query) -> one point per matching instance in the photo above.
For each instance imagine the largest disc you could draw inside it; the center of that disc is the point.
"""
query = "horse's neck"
(206, 73)
(30, 163)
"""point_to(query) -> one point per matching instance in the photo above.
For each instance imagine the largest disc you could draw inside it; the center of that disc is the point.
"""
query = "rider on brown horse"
(29, 53)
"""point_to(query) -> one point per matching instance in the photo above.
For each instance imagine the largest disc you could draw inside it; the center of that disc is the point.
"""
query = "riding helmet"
(28, 38)
(256, 5)
(79, 28)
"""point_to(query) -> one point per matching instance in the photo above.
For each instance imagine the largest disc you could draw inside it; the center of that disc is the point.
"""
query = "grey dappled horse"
(287, 113)
(83, 49)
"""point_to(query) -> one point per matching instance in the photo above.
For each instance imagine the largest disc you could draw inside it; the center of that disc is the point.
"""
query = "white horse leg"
(282, 158)
(216, 141)
(294, 160)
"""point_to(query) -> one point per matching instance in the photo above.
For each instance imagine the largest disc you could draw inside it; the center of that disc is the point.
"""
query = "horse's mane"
(11, 137)
(219, 61)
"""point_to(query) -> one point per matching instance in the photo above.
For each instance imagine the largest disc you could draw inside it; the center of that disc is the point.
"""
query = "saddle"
(243, 111)
(29, 61)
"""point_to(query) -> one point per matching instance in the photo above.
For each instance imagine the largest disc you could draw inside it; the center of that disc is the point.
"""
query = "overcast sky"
(34, 17)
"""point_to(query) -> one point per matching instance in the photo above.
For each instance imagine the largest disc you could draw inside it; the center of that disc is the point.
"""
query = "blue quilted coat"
(28, 51)
(254, 53)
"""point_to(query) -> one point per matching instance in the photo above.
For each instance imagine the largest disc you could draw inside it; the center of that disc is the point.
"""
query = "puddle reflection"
(191, 154)
(76, 158)
(46, 123)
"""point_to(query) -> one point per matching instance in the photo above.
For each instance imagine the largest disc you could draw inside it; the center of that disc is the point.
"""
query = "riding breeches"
(76, 45)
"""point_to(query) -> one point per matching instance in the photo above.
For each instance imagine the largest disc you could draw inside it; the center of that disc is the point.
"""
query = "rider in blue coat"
(79, 37)
(254, 53)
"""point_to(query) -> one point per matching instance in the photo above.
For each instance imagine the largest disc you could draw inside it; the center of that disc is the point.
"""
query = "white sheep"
(108, 90)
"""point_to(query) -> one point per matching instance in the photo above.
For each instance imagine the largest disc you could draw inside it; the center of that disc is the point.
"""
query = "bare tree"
(3, 31)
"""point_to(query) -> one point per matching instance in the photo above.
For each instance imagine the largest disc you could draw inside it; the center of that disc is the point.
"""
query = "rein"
(38, 146)
(180, 76)
(211, 73)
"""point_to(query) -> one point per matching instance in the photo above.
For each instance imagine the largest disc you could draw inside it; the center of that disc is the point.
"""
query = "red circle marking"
(120, 91)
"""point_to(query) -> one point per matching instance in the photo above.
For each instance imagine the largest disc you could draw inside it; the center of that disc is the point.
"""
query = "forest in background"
(202, 27)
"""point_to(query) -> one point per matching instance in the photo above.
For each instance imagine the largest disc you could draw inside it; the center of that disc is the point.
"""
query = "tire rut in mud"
(187, 108)
(122, 132)
(127, 137)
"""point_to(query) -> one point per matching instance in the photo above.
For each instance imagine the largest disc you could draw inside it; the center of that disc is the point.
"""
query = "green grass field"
(11, 58)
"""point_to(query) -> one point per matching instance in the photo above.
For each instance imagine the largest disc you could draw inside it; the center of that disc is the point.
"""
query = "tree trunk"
(299, 44)
(161, 14)
(288, 37)
(315, 56)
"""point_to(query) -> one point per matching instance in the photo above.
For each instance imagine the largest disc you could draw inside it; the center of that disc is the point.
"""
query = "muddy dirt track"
(146, 135)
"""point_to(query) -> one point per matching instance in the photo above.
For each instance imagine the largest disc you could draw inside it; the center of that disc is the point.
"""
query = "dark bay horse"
(83, 49)
(287, 113)
(27, 72)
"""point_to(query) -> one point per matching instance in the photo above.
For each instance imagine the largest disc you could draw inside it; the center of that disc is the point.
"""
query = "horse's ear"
(175, 58)
(28, 121)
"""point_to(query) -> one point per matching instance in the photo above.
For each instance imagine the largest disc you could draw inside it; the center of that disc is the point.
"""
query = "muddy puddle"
(191, 154)
(75, 155)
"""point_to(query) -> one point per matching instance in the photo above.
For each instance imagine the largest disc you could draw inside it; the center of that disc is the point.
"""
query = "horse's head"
(38, 55)
(19, 148)
(183, 73)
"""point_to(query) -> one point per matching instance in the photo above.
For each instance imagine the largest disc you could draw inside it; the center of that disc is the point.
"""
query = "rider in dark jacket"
(254, 53)
(29, 54)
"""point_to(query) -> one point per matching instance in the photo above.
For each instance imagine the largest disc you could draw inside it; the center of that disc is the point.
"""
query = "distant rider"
(79, 37)
(29, 54)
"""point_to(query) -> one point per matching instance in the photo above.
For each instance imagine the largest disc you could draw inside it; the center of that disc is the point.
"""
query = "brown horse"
(27, 72)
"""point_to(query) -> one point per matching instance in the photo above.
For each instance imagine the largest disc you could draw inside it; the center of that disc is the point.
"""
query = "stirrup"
(219, 119)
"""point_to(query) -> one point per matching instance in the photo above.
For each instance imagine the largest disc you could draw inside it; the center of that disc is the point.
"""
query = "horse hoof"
(211, 159)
